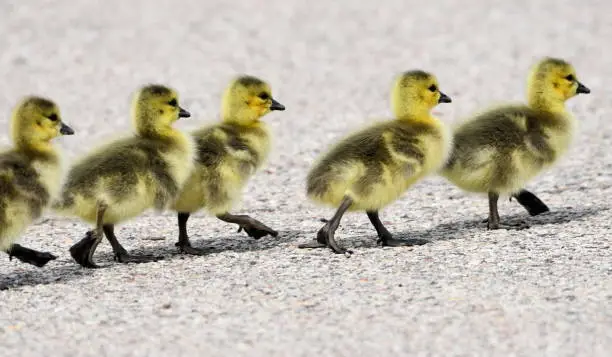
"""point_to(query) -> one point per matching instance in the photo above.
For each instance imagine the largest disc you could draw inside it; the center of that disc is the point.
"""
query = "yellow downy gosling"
(499, 151)
(370, 169)
(30, 174)
(228, 154)
(122, 179)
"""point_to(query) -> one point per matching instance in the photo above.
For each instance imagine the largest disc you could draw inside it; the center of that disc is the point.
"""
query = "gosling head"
(155, 108)
(415, 93)
(35, 122)
(247, 99)
(553, 81)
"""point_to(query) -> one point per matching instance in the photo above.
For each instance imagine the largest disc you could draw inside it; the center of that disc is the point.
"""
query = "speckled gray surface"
(546, 291)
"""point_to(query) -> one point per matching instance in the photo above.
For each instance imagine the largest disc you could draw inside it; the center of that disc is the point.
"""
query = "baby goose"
(30, 174)
(126, 177)
(370, 169)
(500, 150)
(229, 153)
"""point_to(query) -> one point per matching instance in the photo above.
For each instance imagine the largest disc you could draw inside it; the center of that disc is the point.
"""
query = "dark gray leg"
(325, 236)
(386, 238)
(494, 222)
(82, 251)
(183, 244)
(121, 255)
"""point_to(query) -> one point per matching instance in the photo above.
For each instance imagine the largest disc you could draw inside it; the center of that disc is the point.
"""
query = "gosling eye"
(433, 88)
(52, 117)
(264, 96)
(173, 102)
(570, 77)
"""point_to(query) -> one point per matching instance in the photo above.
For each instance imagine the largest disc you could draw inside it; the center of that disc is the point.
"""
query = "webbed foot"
(256, 229)
(531, 203)
(186, 248)
(82, 251)
(325, 239)
(30, 256)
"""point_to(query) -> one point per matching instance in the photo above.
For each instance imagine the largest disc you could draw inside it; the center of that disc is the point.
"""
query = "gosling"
(30, 174)
(370, 169)
(499, 151)
(126, 177)
(229, 153)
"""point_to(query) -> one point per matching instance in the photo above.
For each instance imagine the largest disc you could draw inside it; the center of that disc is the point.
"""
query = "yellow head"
(35, 122)
(154, 109)
(415, 93)
(551, 82)
(247, 99)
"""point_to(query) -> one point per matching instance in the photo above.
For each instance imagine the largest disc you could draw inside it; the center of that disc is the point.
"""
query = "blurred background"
(330, 62)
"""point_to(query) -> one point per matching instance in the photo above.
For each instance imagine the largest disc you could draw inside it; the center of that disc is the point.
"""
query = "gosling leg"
(82, 251)
(325, 236)
(251, 226)
(183, 244)
(386, 238)
(121, 255)
(530, 202)
(493, 221)
(30, 256)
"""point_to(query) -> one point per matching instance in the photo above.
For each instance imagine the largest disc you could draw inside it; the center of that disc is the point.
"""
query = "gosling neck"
(241, 118)
(545, 101)
(42, 149)
(547, 105)
(414, 115)
(147, 127)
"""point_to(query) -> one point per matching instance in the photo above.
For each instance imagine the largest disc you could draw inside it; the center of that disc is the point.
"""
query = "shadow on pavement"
(49, 274)
(459, 229)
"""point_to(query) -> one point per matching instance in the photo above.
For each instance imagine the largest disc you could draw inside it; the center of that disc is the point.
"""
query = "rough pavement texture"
(546, 291)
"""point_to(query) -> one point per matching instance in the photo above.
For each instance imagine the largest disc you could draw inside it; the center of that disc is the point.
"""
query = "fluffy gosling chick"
(371, 168)
(229, 153)
(126, 177)
(500, 150)
(30, 174)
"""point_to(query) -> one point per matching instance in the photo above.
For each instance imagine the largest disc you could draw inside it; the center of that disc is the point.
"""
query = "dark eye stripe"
(264, 96)
(433, 88)
(53, 117)
(173, 102)
(570, 77)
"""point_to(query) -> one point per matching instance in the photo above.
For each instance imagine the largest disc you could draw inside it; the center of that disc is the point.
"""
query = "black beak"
(582, 89)
(276, 105)
(444, 98)
(66, 130)
(183, 113)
